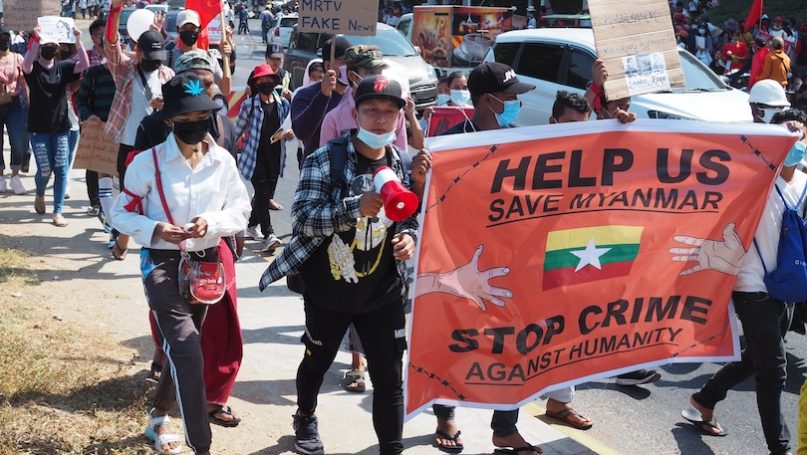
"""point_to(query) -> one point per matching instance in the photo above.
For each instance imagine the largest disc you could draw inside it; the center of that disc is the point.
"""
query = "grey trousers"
(179, 325)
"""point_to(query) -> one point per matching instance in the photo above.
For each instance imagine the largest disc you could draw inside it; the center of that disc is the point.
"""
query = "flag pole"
(225, 58)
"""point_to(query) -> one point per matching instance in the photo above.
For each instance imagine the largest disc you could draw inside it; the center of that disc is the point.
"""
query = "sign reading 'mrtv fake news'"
(351, 17)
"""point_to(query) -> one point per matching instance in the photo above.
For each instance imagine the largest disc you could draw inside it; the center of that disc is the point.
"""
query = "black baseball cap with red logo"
(494, 77)
(374, 87)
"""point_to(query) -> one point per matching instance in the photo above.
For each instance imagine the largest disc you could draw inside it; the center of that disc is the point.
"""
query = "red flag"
(754, 14)
(207, 9)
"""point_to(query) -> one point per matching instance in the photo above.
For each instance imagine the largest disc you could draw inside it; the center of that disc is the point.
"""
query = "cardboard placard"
(214, 30)
(637, 43)
(353, 17)
(96, 151)
(59, 29)
(444, 118)
(21, 15)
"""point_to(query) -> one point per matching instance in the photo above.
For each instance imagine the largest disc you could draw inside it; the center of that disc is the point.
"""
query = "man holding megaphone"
(354, 224)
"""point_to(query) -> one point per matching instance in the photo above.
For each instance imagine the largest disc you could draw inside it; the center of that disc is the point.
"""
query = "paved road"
(633, 420)
(627, 420)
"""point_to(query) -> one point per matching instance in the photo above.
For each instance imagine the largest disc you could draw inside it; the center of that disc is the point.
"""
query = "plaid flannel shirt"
(251, 116)
(320, 211)
(124, 70)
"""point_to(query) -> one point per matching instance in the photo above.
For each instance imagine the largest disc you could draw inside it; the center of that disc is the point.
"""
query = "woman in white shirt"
(181, 198)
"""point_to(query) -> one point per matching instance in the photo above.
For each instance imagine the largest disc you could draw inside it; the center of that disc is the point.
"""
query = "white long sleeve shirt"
(213, 191)
(751, 277)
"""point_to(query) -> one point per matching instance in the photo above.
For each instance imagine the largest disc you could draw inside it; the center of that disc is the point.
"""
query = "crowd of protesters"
(191, 185)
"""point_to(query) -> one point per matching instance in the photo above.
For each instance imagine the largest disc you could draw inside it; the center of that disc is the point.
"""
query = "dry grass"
(64, 388)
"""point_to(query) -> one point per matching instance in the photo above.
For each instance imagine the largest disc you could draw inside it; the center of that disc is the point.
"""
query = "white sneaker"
(3, 185)
(253, 233)
(16, 185)
(270, 244)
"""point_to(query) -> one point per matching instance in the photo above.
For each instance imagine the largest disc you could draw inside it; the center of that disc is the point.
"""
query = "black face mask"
(189, 37)
(5, 44)
(192, 132)
(48, 53)
(150, 65)
(267, 88)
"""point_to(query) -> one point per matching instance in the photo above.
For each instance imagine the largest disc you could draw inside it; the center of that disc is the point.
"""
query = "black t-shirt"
(465, 126)
(354, 271)
(270, 125)
(48, 112)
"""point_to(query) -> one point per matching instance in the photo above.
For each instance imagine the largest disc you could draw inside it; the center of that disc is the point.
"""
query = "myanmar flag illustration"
(582, 255)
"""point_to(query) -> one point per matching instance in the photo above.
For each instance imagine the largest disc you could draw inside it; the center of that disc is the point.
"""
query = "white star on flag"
(590, 256)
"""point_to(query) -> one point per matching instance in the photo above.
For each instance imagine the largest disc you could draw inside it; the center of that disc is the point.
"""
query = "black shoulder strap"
(338, 161)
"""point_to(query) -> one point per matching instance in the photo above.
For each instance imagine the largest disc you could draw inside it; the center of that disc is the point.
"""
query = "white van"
(560, 59)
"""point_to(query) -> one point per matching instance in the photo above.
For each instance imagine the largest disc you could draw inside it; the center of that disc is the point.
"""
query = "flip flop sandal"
(226, 410)
(448, 449)
(564, 415)
(517, 450)
(354, 377)
(696, 418)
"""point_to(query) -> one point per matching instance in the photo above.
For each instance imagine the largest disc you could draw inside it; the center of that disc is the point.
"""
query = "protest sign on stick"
(445, 117)
(96, 151)
(353, 17)
(555, 255)
(58, 29)
(22, 15)
(635, 40)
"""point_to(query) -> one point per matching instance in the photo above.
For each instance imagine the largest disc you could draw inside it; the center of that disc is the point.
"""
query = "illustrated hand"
(421, 164)
(199, 228)
(725, 256)
(403, 247)
(170, 233)
(370, 204)
(329, 83)
(474, 284)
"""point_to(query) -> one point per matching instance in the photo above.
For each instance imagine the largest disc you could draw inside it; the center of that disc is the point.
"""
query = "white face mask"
(375, 141)
(461, 97)
(769, 112)
(443, 99)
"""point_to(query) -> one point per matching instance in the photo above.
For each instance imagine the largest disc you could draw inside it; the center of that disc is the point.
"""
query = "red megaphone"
(399, 202)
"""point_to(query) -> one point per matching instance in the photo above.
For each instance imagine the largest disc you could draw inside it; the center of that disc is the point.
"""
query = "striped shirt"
(96, 94)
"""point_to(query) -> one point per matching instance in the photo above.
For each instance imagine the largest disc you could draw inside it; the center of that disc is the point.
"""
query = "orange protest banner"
(558, 254)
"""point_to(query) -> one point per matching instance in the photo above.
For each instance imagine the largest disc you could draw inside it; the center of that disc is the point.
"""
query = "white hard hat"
(768, 92)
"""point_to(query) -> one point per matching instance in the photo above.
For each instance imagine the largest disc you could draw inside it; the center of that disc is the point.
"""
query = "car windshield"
(391, 42)
(171, 21)
(124, 15)
(698, 77)
(288, 21)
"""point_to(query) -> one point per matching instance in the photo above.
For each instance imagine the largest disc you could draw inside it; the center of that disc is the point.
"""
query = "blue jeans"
(52, 154)
(72, 144)
(13, 118)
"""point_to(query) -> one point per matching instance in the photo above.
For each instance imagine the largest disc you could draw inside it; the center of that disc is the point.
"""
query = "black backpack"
(337, 157)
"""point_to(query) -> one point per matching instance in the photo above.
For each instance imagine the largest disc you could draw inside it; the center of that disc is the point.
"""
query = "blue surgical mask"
(375, 141)
(443, 99)
(461, 97)
(510, 113)
(796, 154)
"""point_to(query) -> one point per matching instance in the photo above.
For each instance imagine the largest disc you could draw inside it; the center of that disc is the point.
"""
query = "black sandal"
(155, 371)
(517, 450)
(227, 410)
(448, 449)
